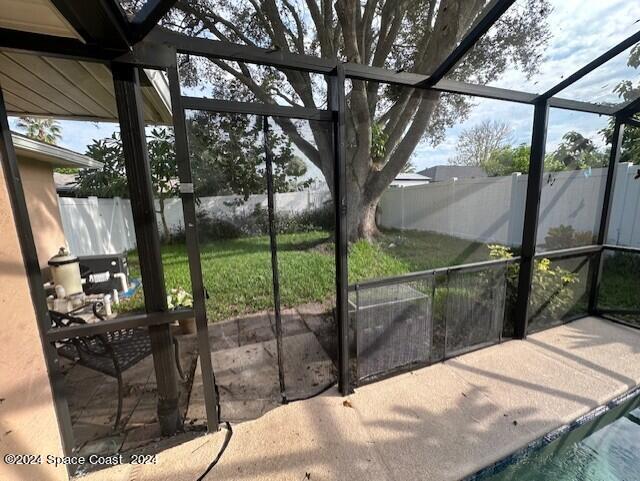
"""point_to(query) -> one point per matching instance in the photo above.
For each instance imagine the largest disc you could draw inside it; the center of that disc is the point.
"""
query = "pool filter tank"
(65, 271)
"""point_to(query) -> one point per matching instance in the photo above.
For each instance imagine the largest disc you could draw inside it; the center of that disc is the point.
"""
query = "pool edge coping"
(551, 436)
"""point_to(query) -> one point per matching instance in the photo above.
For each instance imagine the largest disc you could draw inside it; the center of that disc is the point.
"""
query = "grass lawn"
(419, 251)
(620, 285)
(237, 272)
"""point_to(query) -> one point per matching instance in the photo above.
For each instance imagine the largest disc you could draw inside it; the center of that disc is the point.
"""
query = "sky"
(581, 30)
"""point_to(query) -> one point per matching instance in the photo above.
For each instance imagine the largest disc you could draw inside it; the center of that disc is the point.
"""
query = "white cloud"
(581, 31)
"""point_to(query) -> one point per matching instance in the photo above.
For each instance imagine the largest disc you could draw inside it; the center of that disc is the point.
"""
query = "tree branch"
(380, 180)
(299, 38)
(209, 18)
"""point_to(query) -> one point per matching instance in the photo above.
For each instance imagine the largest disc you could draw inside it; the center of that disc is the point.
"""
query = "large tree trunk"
(361, 209)
(363, 32)
(362, 204)
(367, 180)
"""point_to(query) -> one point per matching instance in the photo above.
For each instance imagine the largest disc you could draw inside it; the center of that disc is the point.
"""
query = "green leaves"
(378, 142)
(507, 160)
(578, 152)
(553, 289)
(178, 297)
(110, 180)
(162, 159)
(44, 130)
(227, 156)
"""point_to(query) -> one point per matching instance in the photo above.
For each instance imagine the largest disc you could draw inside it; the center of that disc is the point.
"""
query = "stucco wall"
(42, 204)
(27, 417)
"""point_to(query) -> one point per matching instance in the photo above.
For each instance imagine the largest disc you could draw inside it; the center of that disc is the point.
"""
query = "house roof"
(409, 176)
(64, 182)
(444, 172)
(52, 154)
(48, 86)
(41, 86)
(37, 16)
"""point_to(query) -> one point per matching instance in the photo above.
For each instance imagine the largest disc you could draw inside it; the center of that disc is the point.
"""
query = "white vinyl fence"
(105, 226)
(491, 209)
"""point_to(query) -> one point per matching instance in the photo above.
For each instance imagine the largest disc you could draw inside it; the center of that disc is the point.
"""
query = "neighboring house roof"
(52, 154)
(444, 172)
(64, 183)
(410, 178)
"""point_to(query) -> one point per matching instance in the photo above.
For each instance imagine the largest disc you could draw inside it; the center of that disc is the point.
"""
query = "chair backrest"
(86, 346)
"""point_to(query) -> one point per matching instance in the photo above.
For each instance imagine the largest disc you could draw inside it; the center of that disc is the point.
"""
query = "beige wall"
(27, 417)
(42, 204)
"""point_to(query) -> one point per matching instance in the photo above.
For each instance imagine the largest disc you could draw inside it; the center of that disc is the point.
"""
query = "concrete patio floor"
(244, 354)
(442, 422)
(92, 399)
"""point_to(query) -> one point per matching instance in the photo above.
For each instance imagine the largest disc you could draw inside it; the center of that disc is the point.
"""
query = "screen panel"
(619, 294)
(574, 180)
(559, 290)
(538, 44)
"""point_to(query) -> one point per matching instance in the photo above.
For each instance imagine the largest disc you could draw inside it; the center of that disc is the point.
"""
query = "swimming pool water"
(605, 449)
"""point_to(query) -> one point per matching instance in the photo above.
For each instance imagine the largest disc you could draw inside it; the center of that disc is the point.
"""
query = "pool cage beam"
(147, 53)
(337, 104)
(15, 190)
(134, 146)
(595, 63)
(198, 291)
(605, 216)
(491, 14)
(629, 109)
(273, 247)
(147, 17)
(531, 214)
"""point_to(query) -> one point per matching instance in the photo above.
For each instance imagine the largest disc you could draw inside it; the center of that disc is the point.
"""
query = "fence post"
(403, 224)
(531, 213)
(633, 192)
(97, 226)
(516, 209)
(451, 206)
(619, 204)
(121, 224)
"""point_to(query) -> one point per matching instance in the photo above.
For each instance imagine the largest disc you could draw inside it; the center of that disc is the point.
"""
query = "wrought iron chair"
(111, 353)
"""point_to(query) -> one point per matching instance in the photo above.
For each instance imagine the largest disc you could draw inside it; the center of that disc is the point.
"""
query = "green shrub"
(211, 227)
(551, 286)
(565, 236)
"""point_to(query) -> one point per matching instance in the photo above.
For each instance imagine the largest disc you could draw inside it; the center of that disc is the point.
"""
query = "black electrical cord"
(227, 439)
(229, 434)
(311, 396)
